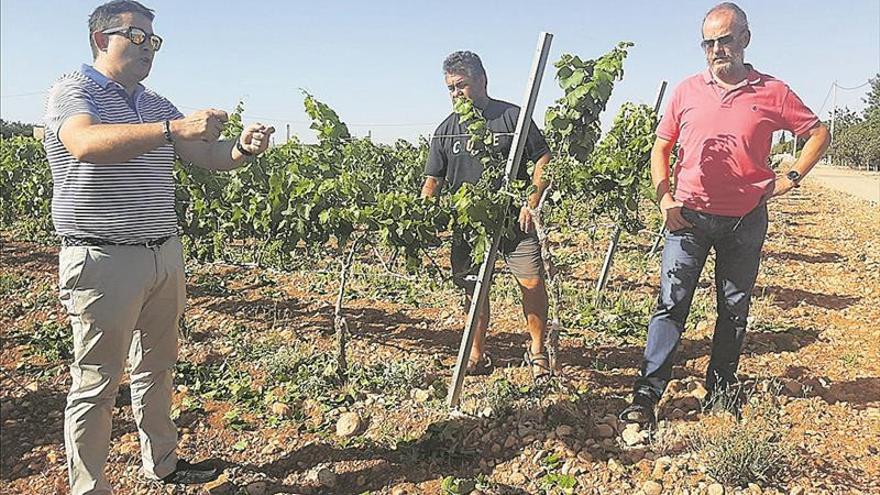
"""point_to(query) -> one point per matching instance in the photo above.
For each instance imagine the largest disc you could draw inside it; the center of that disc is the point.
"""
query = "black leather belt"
(69, 241)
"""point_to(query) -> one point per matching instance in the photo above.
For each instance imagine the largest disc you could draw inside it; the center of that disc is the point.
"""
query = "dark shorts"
(522, 254)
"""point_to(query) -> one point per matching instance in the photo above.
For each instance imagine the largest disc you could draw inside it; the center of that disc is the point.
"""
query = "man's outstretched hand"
(255, 138)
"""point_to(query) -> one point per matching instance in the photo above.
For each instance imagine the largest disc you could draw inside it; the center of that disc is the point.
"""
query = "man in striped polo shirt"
(111, 144)
(723, 120)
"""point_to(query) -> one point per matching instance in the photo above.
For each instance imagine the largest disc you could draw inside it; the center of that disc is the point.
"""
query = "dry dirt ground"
(815, 331)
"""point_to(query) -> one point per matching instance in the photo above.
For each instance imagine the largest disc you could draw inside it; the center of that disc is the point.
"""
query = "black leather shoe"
(641, 411)
(191, 474)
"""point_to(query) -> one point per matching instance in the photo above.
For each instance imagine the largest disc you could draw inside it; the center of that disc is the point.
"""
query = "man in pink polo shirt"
(723, 120)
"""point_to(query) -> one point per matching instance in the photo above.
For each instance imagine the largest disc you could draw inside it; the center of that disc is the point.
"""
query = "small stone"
(536, 458)
(349, 425)
(610, 420)
(604, 431)
(421, 395)
(793, 388)
(715, 489)
(585, 457)
(652, 488)
(326, 477)
(220, 486)
(660, 466)
(676, 413)
(313, 411)
(699, 391)
(32, 387)
(564, 431)
(52, 457)
(614, 466)
(510, 442)
(689, 403)
(517, 478)
(632, 436)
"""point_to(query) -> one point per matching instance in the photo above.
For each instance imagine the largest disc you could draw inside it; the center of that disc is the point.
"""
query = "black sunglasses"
(722, 40)
(136, 36)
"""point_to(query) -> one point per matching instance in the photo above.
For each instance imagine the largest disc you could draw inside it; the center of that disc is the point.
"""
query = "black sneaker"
(187, 473)
(641, 411)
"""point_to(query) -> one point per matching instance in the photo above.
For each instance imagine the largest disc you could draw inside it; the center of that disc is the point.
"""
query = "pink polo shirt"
(724, 139)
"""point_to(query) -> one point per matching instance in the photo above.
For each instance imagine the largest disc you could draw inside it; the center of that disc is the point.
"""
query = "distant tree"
(857, 137)
(9, 129)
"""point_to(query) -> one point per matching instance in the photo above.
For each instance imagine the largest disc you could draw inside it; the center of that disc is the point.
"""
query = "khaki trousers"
(121, 300)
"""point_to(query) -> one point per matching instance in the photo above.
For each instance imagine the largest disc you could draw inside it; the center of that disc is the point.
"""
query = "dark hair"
(740, 15)
(106, 16)
(464, 63)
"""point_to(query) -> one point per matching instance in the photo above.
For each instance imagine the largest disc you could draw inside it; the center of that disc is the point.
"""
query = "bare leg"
(534, 294)
(480, 336)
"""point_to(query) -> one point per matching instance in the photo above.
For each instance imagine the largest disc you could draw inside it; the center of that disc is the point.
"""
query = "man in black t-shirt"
(451, 162)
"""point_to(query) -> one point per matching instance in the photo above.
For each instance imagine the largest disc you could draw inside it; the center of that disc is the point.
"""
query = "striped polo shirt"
(124, 203)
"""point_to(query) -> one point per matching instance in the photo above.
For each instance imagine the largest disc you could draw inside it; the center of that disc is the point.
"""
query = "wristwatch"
(240, 148)
(795, 177)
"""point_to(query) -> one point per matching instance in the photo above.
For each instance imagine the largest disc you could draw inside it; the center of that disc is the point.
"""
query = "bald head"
(727, 12)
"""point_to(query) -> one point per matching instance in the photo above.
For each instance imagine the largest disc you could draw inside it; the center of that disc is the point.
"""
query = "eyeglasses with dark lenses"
(723, 41)
(136, 36)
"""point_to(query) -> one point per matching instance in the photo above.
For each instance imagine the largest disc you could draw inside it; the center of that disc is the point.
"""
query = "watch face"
(793, 175)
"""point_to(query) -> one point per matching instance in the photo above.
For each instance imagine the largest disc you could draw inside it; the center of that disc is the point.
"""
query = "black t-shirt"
(450, 158)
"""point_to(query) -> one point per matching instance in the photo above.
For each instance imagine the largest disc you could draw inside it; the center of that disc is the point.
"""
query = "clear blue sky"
(378, 63)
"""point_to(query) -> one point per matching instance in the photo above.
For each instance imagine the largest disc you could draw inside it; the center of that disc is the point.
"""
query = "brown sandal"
(539, 365)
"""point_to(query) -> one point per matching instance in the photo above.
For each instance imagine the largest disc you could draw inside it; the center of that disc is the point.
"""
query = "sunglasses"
(725, 40)
(137, 36)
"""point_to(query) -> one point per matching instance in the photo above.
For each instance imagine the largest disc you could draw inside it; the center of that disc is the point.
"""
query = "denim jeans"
(737, 243)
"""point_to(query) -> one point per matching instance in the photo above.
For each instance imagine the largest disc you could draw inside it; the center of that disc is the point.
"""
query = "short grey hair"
(741, 20)
(464, 63)
(106, 16)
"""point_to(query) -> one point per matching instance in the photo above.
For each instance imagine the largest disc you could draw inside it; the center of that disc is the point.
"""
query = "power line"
(33, 93)
(853, 88)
